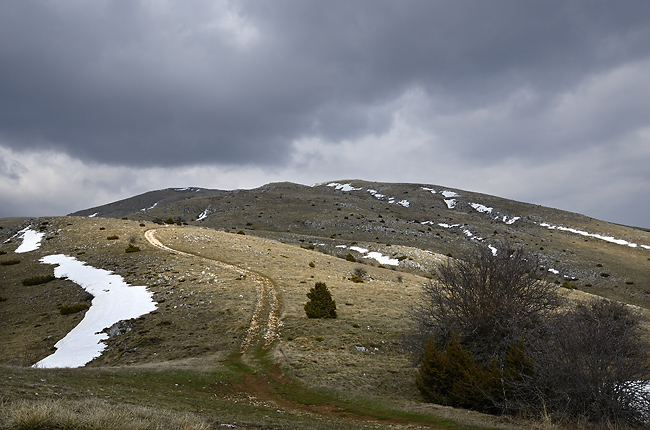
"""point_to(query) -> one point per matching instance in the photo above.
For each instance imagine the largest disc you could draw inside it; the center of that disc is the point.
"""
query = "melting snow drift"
(114, 301)
(31, 240)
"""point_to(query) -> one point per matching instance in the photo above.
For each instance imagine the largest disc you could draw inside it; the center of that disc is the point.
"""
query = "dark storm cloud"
(147, 83)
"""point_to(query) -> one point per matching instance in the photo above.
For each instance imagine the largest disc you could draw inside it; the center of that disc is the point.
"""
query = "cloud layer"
(542, 101)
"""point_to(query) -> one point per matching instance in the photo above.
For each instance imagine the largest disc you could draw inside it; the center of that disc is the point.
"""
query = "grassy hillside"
(411, 215)
(345, 373)
(223, 297)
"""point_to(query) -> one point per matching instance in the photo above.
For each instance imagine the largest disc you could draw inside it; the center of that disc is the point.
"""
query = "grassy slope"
(184, 355)
(299, 214)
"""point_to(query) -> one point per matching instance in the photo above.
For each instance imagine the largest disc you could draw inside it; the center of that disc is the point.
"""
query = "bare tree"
(586, 362)
(491, 300)
(593, 363)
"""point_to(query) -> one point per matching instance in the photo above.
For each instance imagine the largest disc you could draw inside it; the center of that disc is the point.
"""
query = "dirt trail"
(267, 306)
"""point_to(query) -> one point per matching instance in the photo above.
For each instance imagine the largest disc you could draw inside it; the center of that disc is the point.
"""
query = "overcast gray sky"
(541, 101)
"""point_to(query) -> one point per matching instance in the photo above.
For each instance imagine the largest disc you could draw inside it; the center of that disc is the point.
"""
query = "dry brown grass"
(204, 309)
(93, 414)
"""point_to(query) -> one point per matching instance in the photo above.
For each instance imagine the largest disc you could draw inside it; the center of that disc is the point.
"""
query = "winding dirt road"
(267, 306)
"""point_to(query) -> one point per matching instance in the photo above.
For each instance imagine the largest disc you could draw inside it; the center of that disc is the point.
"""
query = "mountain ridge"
(574, 247)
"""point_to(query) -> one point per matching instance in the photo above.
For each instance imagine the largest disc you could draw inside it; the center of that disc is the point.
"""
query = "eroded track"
(267, 306)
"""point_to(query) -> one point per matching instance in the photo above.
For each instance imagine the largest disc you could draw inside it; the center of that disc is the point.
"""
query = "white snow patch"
(31, 240)
(451, 203)
(557, 272)
(93, 215)
(383, 259)
(203, 215)
(646, 247)
(445, 225)
(481, 208)
(358, 249)
(404, 203)
(376, 194)
(493, 249)
(594, 235)
(343, 187)
(511, 220)
(151, 207)
(448, 194)
(429, 189)
(114, 301)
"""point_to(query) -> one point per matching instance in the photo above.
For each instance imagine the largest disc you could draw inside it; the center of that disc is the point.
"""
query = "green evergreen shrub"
(113, 237)
(351, 258)
(320, 304)
(452, 377)
(169, 220)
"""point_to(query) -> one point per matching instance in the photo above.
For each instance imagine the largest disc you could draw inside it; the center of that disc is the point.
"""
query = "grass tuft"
(74, 308)
(38, 280)
(9, 262)
(132, 248)
(93, 414)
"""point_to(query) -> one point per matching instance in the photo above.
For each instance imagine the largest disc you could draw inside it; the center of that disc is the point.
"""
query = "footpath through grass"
(235, 394)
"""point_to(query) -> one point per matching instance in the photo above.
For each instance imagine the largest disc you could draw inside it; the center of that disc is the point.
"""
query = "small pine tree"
(320, 304)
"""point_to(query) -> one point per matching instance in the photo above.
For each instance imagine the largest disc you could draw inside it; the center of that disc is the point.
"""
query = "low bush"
(510, 346)
(320, 304)
(169, 221)
(3, 252)
(37, 280)
(113, 237)
(569, 286)
(132, 248)
(74, 308)
(3, 299)
(9, 262)
(350, 257)
(359, 272)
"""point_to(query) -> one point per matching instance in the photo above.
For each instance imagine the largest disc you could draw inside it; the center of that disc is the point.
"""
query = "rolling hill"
(229, 342)
(596, 256)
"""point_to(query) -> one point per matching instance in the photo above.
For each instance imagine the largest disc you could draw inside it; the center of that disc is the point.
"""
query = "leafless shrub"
(588, 363)
(491, 302)
(593, 364)
(359, 272)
